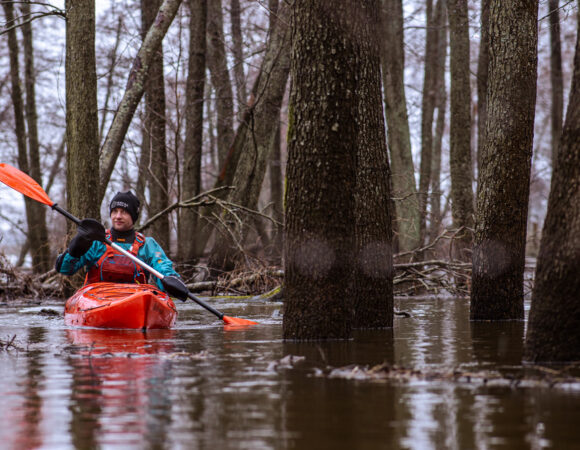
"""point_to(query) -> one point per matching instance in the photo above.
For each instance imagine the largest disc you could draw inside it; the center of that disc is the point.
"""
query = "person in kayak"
(104, 263)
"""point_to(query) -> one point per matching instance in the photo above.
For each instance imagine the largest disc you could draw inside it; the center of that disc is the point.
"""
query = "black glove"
(175, 287)
(89, 230)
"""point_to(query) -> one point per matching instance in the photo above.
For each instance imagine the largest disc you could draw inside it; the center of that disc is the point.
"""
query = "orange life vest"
(115, 267)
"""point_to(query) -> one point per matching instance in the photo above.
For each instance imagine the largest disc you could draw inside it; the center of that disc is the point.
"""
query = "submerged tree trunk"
(372, 285)
(556, 80)
(460, 130)
(553, 331)
(40, 247)
(81, 110)
(321, 173)
(155, 129)
(502, 198)
(403, 171)
(194, 93)
(218, 66)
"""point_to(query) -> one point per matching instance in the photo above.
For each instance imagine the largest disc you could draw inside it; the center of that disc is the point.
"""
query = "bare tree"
(194, 94)
(81, 110)
(502, 197)
(553, 333)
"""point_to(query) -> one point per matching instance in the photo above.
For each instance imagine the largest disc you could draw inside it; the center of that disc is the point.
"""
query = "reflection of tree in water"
(500, 343)
(119, 386)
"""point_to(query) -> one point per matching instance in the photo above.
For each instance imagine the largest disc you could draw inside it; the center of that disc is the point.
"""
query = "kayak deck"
(117, 305)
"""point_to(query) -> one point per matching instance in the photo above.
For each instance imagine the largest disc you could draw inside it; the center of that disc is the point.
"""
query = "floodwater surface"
(434, 381)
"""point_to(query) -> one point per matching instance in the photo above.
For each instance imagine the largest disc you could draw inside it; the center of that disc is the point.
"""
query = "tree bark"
(40, 249)
(372, 277)
(460, 129)
(556, 79)
(482, 77)
(321, 173)
(554, 332)
(81, 110)
(134, 91)
(403, 175)
(218, 66)
(155, 129)
(195, 89)
(502, 198)
(257, 144)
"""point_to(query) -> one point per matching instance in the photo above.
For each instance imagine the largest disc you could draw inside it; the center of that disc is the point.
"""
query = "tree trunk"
(321, 173)
(502, 198)
(403, 175)
(441, 106)
(238, 51)
(277, 196)
(482, 77)
(372, 277)
(41, 259)
(460, 129)
(427, 112)
(110, 76)
(194, 94)
(257, 144)
(556, 80)
(134, 91)
(155, 128)
(553, 333)
(81, 110)
(218, 66)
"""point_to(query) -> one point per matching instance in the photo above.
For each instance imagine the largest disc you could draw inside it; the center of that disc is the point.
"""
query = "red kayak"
(116, 305)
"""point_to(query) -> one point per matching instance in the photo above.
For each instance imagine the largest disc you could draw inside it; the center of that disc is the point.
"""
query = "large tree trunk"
(460, 129)
(403, 170)
(427, 112)
(40, 250)
(195, 88)
(321, 172)
(134, 91)
(553, 333)
(502, 198)
(155, 129)
(218, 66)
(556, 80)
(81, 110)
(372, 282)
(258, 142)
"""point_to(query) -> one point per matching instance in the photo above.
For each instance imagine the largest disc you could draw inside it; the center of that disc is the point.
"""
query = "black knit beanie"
(128, 201)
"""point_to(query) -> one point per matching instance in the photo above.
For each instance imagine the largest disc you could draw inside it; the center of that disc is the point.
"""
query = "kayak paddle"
(21, 182)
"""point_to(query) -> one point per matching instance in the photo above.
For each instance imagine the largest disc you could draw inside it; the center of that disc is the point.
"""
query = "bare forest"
(263, 136)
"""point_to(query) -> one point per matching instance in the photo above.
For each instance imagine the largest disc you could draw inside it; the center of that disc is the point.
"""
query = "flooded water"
(203, 386)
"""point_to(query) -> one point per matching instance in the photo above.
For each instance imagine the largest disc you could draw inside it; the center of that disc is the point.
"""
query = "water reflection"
(203, 386)
(119, 386)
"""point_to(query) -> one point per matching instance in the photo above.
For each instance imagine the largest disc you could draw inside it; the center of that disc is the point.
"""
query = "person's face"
(121, 219)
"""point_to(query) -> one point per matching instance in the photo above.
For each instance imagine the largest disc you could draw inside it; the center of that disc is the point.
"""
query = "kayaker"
(103, 263)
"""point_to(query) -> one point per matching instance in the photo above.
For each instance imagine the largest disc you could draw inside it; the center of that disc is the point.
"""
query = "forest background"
(238, 35)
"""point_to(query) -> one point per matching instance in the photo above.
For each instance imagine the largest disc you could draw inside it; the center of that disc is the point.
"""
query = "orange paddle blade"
(19, 181)
(237, 321)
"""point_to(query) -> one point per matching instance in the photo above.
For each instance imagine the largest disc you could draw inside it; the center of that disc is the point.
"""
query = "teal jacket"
(150, 253)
